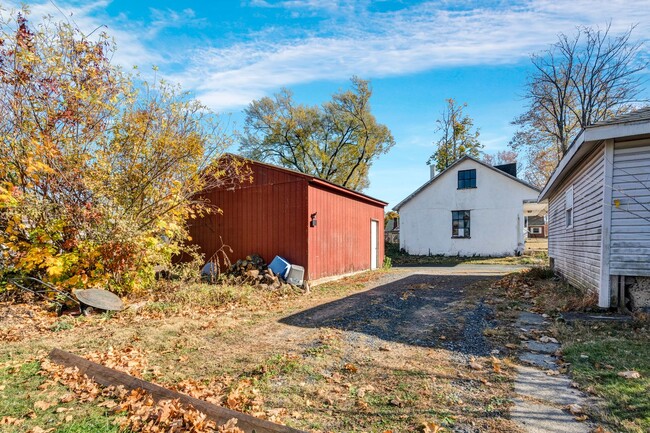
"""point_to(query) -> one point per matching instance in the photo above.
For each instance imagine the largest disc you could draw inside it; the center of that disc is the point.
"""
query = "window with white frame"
(568, 207)
(536, 230)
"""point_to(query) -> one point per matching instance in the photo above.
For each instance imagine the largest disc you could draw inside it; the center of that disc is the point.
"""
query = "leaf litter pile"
(321, 380)
(140, 413)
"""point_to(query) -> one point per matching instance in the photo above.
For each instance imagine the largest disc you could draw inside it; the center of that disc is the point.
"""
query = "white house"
(599, 211)
(471, 208)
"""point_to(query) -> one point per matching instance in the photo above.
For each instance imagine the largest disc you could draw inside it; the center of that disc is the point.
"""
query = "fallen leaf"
(432, 427)
(42, 405)
(575, 409)
(350, 367)
(581, 418)
(7, 420)
(475, 365)
(631, 374)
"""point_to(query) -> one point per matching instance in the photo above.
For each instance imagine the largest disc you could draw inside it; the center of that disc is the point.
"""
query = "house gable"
(465, 163)
(430, 218)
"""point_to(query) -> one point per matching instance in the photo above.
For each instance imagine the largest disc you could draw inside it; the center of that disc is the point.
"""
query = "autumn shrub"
(99, 170)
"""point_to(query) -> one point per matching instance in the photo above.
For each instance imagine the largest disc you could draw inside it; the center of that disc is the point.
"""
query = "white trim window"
(568, 207)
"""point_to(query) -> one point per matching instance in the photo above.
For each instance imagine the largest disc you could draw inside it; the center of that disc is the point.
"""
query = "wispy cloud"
(171, 19)
(410, 40)
(90, 17)
(352, 38)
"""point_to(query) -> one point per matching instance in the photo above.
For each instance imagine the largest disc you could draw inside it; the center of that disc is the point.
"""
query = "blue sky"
(416, 53)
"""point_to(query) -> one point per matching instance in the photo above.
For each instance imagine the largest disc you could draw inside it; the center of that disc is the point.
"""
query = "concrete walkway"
(543, 394)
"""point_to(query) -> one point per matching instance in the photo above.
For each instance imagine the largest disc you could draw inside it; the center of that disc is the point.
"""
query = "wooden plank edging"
(108, 377)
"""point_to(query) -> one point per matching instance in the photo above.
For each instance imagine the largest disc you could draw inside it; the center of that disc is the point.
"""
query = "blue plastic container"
(280, 267)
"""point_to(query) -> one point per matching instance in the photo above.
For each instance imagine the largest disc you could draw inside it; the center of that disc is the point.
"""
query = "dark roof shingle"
(640, 115)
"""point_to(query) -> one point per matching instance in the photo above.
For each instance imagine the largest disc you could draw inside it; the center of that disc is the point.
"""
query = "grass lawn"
(25, 404)
(598, 353)
(226, 345)
(399, 258)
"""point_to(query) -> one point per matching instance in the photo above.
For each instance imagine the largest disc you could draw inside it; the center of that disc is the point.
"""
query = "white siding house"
(599, 211)
(471, 208)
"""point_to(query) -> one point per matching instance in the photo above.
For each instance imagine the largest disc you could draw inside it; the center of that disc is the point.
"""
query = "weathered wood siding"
(630, 232)
(576, 250)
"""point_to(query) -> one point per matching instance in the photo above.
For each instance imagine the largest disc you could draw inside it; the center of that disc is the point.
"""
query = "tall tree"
(578, 81)
(98, 171)
(337, 141)
(501, 157)
(458, 138)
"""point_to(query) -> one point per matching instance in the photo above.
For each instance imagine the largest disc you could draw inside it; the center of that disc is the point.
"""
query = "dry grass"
(540, 291)
(228, 341)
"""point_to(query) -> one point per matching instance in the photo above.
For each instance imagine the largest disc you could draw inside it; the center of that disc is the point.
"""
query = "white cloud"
(171, 19)
(90, 17)
(396, 43)
(350, 40)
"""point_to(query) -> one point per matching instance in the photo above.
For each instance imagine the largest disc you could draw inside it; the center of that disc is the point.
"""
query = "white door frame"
(374, 244)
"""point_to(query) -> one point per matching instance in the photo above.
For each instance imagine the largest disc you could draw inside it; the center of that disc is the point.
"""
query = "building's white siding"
(496, 214)
(576, 250)
(630, 230)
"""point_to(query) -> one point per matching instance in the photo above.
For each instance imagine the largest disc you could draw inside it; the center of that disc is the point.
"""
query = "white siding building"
(471, 208)
(599, 211)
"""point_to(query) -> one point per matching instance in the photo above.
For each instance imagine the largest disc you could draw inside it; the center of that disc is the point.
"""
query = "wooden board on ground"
(108, 377)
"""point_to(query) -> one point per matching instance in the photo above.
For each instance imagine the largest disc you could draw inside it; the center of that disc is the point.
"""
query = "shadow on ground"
(419, 310)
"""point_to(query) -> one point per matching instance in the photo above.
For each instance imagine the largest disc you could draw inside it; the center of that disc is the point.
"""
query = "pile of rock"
(254, 271)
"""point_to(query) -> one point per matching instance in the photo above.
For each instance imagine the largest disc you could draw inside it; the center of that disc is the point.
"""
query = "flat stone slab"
(595, 317)
(537, 346)
(536, 384)
(542, 418)
(528, 318)
(540, 360)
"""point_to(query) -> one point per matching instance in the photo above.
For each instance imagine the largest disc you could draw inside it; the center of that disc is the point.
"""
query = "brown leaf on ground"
(600, 429)
(432, 427)
(38, 429)
(630, 374)
(475, 365)
(575, 409)
(42, 405)
(230, 427)
(7, 420)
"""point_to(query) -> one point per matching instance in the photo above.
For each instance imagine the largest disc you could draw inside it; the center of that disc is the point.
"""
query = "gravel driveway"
(426, 307)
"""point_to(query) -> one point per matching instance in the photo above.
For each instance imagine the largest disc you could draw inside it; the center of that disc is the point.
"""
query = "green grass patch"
(595, 363)
(19, 393)
(400, 258)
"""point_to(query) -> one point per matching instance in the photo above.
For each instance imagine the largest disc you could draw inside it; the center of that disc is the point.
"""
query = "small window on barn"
(467, 179)
(460, 224)
(568, 207)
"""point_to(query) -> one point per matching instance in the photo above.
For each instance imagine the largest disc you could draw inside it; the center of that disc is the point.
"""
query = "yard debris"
(630, 374)
(143, 413)
(475, 365)
(253, 270)
(547, 339)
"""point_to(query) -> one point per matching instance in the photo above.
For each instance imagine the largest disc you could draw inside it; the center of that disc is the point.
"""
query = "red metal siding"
(266, 217)
(340, 242)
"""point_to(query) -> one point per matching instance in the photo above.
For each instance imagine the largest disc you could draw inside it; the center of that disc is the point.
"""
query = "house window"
(568, 207)
(467, 179)
(460, 224)
(536, 230)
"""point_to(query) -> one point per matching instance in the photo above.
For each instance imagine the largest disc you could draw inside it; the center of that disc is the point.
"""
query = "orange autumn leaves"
(99, 171)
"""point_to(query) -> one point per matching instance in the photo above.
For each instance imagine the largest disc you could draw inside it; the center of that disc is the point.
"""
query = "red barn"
(327, 229)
